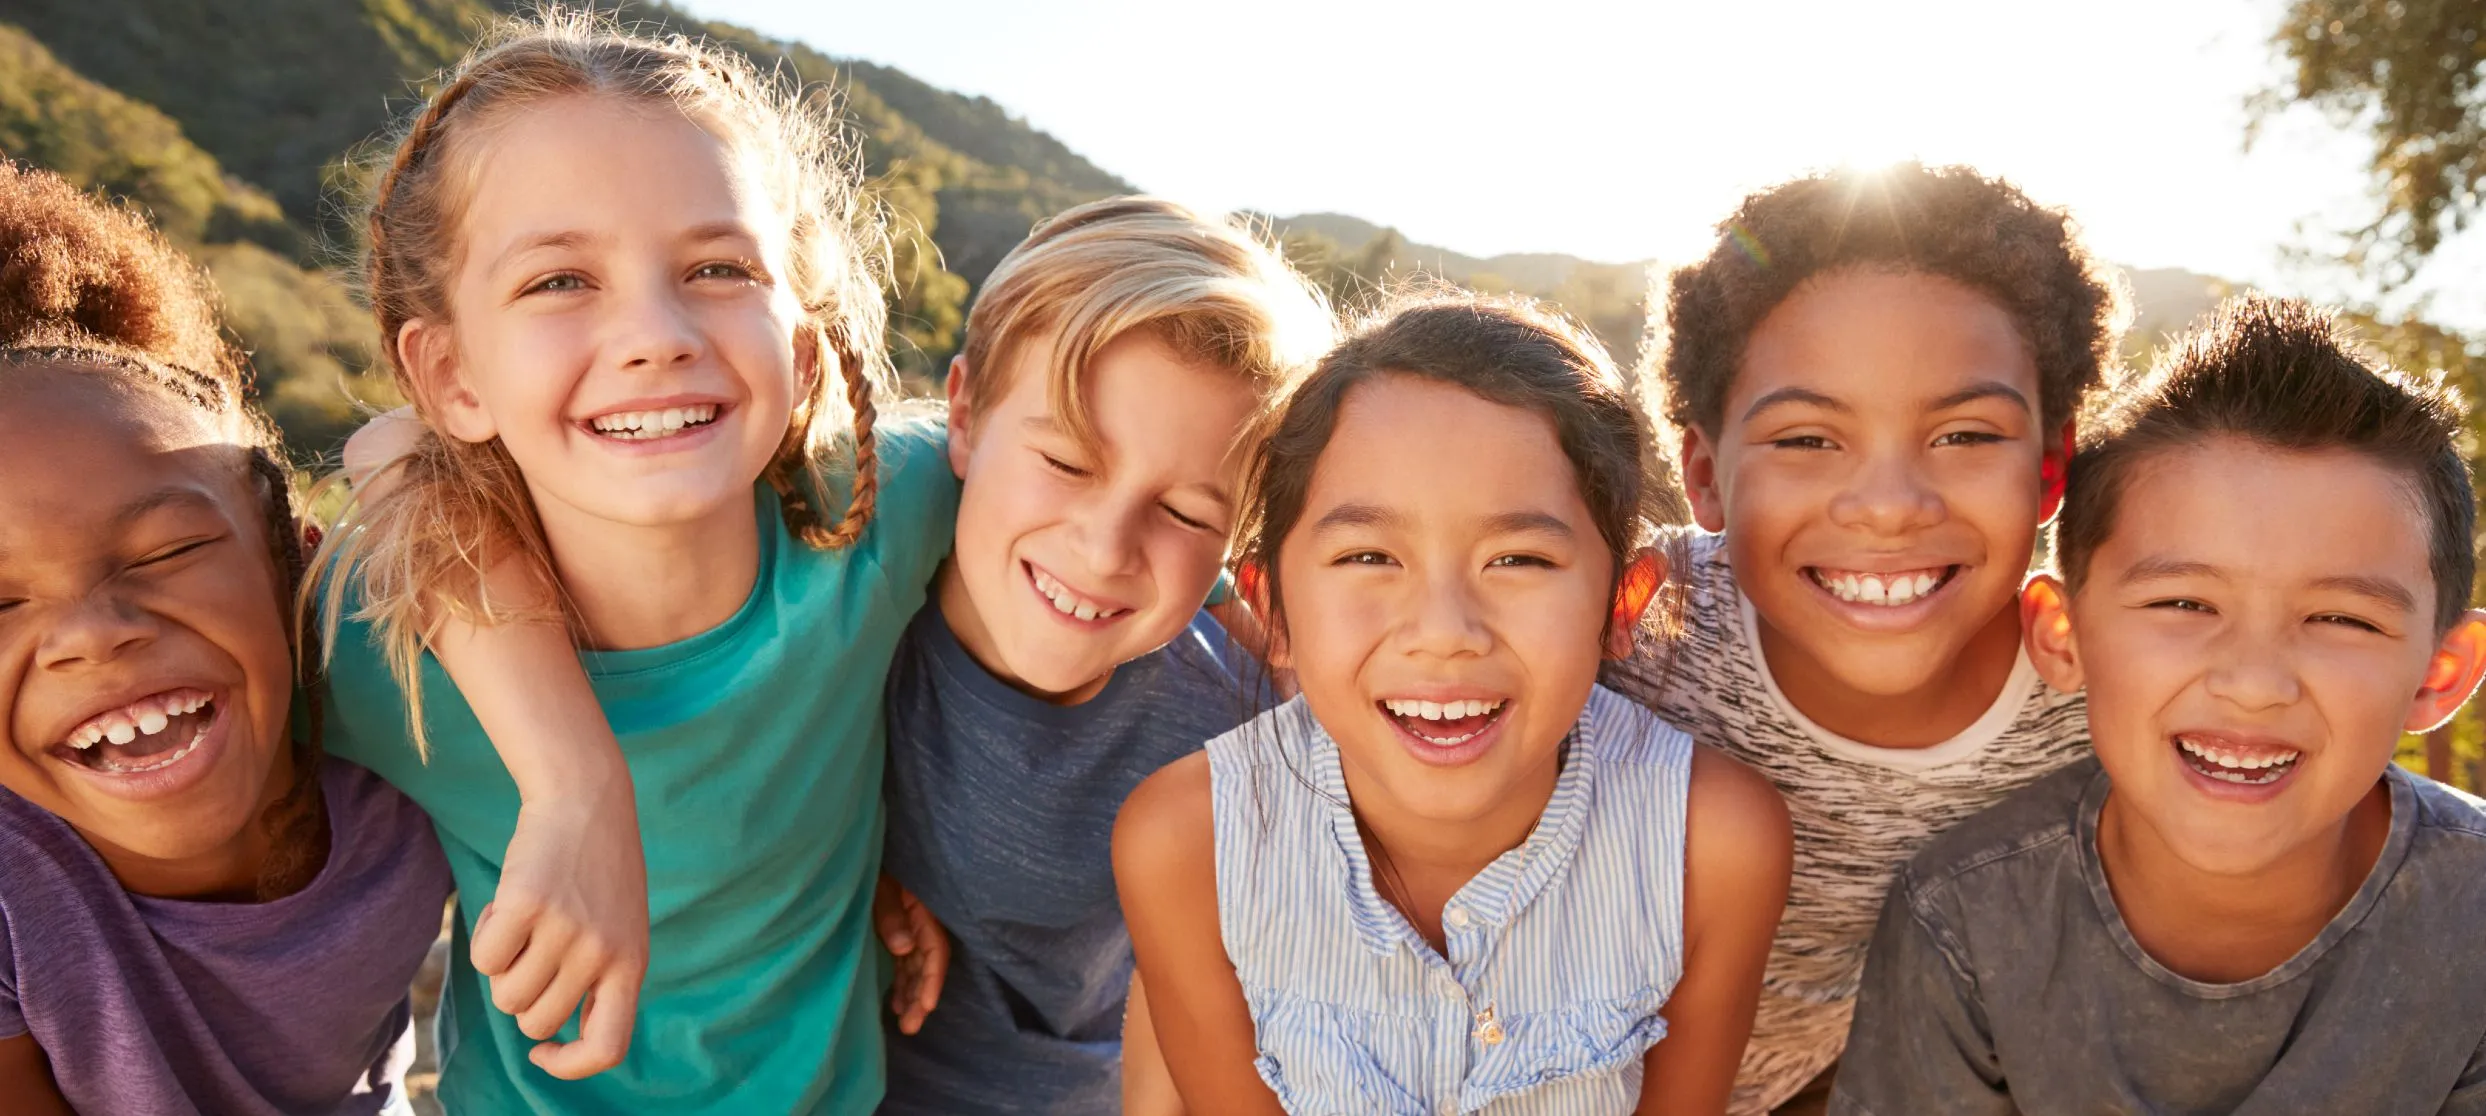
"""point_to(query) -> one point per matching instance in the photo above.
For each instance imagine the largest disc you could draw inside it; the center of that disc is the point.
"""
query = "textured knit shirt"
(1572, 941)
(2004, 980)
(1859, 811)
(169, 1007)
(1001, 815)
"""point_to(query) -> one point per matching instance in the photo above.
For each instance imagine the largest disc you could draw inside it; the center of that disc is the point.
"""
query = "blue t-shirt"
(1001, 813)
(755, 749)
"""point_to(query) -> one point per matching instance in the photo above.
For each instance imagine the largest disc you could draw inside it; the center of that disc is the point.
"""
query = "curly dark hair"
(89, 286)
(1947, 221)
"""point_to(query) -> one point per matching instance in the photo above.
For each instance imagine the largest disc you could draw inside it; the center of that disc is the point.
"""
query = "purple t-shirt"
(163, 1006)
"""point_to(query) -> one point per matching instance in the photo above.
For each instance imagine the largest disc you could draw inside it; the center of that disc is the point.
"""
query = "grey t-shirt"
(1001, 813)
(295, 1007)
(2003, 979)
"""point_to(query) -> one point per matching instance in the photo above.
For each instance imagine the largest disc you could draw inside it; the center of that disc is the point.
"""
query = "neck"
(2224, 928)
(228, 873)
(1950, 700)
(966, 624)
(1432, 859)
(647, 586)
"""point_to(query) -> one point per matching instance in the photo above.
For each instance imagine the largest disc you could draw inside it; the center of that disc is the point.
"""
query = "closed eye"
(176, 550)
(2345, 620)
(1060, 466)
(1185, 520)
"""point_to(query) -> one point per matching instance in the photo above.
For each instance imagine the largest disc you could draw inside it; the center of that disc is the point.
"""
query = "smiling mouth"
(1885, 590)
(1444, 724)
(649, 426)
(149, 734)
(2251, 767)
(1067, 601)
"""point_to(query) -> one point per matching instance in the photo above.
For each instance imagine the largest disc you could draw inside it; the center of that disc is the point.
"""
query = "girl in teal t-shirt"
(625, 283)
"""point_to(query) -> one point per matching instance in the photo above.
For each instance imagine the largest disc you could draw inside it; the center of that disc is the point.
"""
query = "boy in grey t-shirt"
(2239, 906)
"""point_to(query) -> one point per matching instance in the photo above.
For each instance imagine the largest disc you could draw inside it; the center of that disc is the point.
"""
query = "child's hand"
(569, 924)
(921, 947)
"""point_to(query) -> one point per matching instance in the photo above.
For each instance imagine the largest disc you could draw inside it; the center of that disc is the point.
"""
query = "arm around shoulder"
(26, 1079)
(1165, 866)
(1738, 850)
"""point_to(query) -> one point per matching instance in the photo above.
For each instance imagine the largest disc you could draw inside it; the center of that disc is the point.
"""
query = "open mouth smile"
(2247, 765)
(654, 425)
(1888, 589)
(147, 735)
(1069, 602)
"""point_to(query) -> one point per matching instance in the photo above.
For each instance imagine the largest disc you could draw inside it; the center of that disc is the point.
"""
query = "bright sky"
(1626, 130)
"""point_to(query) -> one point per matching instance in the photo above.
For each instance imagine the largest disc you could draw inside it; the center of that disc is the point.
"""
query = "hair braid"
(299, 820)
(417, 145)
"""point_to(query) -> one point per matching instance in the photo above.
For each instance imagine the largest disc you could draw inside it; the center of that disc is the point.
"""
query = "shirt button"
(1448, 1108)
(1456, 917)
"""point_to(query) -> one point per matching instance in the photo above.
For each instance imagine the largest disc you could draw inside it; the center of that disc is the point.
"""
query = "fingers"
(543, 1018)
(934, 966)
(604, 1027)
(890, 904)
(500, 935)
(524, 982)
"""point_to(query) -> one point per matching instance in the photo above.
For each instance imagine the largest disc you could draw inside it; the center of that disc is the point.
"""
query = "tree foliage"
(2413, 74)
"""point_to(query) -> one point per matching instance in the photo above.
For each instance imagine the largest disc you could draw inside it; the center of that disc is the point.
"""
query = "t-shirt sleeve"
(2468, 1095)
(1920, 1042)
(917, 511)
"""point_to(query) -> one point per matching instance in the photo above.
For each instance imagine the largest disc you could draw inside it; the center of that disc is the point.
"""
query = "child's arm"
(1147, 1086)
(1165, 865)
(920, 947)
(1920, 1042)
(26, 1079)
(1737, 852)
(567, 929)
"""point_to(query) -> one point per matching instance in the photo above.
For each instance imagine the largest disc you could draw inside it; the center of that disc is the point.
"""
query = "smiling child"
(2241, 905)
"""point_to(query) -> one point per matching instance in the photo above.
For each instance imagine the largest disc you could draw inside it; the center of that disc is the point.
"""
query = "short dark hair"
(2278, 373)
(1946, 221)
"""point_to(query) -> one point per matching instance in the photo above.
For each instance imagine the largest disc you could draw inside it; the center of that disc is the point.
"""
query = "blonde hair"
(421, 546)
(1101, 271)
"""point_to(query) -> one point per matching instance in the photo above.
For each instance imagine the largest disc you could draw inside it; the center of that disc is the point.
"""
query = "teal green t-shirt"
(756, 751)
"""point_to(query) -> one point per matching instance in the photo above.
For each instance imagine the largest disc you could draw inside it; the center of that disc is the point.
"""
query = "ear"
(961, 439)
(1700, 480)
(1251, 582)
(2055, 469)
(428, 352)
(2046, 630)
(1632, 597)
(2451, 676)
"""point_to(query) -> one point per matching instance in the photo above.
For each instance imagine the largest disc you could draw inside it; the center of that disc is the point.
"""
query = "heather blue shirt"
(2003, 979)
(1001, 813)
(166, 1006)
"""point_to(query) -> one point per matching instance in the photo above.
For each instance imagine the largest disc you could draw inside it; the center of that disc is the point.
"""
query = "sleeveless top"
(1574, 939)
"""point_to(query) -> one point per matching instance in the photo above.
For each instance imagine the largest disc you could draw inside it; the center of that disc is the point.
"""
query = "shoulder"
(2450, 810)
(1166, 831)
(2042, 818)
(915, 508)
(1736, 823)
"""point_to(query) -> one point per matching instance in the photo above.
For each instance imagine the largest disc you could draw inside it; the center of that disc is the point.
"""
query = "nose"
(655, 332)
(1447, 621)
(1106, 536)
(97, 630)
(1888, 495)
(2254, 671)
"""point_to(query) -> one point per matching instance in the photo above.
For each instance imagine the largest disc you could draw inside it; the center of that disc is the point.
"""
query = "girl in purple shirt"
(198, 913)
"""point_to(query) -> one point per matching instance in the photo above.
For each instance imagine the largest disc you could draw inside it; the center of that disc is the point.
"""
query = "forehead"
(1871, 335)
(77, 446)
(1418, 444)
(609, 165)
(2270, 515)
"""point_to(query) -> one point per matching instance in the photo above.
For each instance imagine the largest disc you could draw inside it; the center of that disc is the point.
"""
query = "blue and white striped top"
(1575, 938)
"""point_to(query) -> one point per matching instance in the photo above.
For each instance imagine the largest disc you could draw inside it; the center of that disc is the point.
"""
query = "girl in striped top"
(1454, 876)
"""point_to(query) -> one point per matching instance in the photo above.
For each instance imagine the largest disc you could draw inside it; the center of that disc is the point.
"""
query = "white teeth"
(1068, 603)
(121, 732)
(2229, 767)
(153, 721)
(653, 424)
(1889, 590)
(1438, 710)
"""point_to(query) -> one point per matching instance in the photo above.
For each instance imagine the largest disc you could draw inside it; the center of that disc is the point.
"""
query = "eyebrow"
(1527, 523)
(1505, 523)
(2381, 590)
(1789, 396)
(144, 506)
(567, 238)
(1358, 515)
(1990, 389)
